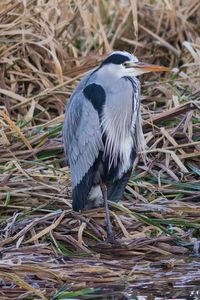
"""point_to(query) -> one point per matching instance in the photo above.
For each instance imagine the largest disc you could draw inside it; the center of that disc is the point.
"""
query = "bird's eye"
(125, 64)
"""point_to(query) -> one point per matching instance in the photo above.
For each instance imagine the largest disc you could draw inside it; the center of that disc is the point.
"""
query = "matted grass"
(48, 251)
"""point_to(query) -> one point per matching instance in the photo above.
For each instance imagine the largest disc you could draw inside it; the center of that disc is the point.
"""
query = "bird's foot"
(111, 239)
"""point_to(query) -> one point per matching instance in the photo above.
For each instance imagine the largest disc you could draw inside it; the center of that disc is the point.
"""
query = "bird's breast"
(125, 154)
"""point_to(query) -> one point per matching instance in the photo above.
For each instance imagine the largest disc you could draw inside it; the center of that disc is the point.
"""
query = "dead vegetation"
(47, 251)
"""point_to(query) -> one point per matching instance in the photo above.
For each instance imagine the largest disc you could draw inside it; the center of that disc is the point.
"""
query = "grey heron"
(102, 131)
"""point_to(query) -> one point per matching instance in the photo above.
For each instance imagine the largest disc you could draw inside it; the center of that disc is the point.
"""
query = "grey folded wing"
(81, 136)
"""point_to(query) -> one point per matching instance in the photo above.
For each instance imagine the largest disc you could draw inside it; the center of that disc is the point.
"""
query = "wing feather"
(81, 136)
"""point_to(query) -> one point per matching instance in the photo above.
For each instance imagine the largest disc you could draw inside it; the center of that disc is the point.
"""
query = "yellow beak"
(144, 68)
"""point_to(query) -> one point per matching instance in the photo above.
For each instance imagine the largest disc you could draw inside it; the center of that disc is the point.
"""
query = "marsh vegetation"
(49, 252)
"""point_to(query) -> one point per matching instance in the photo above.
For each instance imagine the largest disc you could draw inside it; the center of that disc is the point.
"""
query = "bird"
(102, 131)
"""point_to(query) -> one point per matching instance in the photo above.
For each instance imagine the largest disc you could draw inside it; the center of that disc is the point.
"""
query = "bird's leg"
(108, 222)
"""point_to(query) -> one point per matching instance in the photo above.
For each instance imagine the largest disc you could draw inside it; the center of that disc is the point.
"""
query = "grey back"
(81, 133)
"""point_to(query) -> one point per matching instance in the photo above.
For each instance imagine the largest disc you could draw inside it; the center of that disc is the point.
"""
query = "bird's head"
(126, 64)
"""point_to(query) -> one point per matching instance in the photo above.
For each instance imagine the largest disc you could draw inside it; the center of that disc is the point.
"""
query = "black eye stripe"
(117, 59)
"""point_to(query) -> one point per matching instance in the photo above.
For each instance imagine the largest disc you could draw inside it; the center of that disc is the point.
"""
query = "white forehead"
(125, 53)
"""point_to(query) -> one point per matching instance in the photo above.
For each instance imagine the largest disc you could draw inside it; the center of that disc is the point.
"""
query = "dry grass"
(45, 48)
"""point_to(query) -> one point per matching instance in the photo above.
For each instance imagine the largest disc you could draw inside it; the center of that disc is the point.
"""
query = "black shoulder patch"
(115, 59)
(96, 95)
